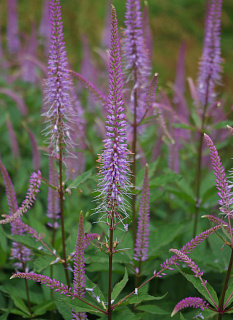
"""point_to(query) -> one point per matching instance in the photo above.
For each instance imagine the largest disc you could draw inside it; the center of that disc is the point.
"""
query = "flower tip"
(173, 313)
(113, 7)
(12, 277)
(156, 74)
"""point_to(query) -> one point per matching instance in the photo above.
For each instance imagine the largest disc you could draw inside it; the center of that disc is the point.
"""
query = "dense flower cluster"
(188, 261)
(59, 110)
(114, 171)
(210, 64)
(34, 186)
(221, 180)
(193, 302)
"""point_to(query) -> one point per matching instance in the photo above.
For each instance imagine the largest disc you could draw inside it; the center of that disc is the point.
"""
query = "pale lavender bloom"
(13, 41)
(135, 54)
(59, 114)
(210, 64)
(79, 268)
(221, 180)
(193, 302)
(147, 35)
(13, 138)
(142, 237)
(76, 166)
(34, 186)
(113, 180)
(18, 252)
(28, 66)
(136, 59)
(45, 26)
(53, 209)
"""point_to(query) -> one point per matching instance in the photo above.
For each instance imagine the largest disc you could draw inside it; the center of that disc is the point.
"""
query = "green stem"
(199, 161)
(27, 292)
(134, 151)
(110, 270)
(224, 289)
(61, 197)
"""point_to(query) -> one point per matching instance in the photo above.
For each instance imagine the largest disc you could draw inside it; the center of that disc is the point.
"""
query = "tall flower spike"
(13, 41)
(193, 302)
(135, 52)
(57, 87)
(210, 64)
(142, 238)
(220, 177)
(79, 268)
(113, 181)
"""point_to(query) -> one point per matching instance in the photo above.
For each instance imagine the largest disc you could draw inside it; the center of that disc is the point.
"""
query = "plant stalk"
(224, 289)
(61, 197)
(110, 270)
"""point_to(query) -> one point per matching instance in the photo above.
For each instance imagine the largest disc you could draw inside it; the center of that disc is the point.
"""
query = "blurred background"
(171, 22)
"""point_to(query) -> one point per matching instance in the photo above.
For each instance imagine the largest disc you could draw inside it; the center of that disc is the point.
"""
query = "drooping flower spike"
(210, 64)
(193, 302)
(57, 87)
(221, 180)
(34, 186)
(19, 252)
(113, 181)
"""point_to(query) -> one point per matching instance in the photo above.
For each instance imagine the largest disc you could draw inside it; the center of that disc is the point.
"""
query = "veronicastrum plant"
(84, 273)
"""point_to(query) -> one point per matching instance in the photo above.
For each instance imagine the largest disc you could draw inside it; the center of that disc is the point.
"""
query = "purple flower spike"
(113, 181)
(12, 27)
(13, 138)
(197, 272)
(142, 239)
(18, 251)
(135, 52)
(210, 64)
(57, 87)
(220, 177)
(193, 302)
(79, 267)
(34, 186)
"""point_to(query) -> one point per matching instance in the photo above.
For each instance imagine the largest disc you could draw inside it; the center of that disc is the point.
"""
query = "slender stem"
(134, 151)
(110, 269)
(61, 196)
(27, 292)
(199, 161)
(224, 289)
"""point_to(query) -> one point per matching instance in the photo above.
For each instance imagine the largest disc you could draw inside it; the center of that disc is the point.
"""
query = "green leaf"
(164, 179)
(20, 304)
(63, 309)
(28, 241)
(19, 313)
(96, 291)
(120, 286)
(80, 179)
(43, 308)
(228, 294)
(197, 284)
(222, 124)
(80, 306)
(135, 299)
(182, 317)
(184, 126)
(43, 262)
(152, 309)
(163, 236)
(7, 312)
